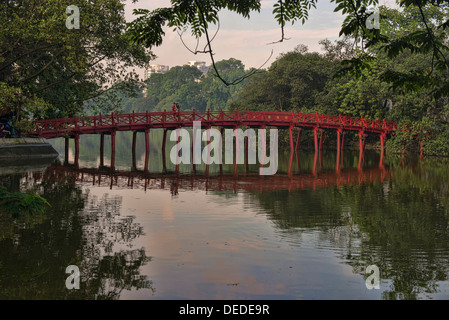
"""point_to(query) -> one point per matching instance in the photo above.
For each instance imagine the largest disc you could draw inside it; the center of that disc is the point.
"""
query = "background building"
(201, 65)
(155, 68)
(152, 69)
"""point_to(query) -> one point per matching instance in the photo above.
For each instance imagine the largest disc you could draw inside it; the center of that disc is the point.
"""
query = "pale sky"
(247, 40)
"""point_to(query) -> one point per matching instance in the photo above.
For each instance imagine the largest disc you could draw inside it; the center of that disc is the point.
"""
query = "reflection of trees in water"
(78, 230)
(107, 263)
(400, 225)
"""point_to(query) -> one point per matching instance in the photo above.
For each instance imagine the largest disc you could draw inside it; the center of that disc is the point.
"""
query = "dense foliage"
(50, 70)
(189, 87)
(17, 203)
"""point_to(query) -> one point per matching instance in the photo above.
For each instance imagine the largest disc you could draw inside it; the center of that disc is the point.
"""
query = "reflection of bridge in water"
(174, 181)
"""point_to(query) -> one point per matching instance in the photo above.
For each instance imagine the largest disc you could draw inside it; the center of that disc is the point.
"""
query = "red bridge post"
(102, 150)
(322, 132)
(339, 131)
(147, 149)
(77, 149)
(382, 143)
(298, 139)
(164, 138)
(362, 140)
(290, 131)
(133, 150)
(113, 150)
(66, 156)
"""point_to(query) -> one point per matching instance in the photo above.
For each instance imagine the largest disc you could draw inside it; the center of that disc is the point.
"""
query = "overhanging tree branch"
(431, 35)
(211, 54)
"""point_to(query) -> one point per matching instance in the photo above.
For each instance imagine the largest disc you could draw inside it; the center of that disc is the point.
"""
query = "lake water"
(309, 232)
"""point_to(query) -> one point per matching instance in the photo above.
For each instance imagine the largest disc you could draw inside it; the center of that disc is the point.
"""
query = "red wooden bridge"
(169, 120)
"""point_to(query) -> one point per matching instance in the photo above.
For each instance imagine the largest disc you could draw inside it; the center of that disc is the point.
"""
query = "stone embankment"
(30, 148)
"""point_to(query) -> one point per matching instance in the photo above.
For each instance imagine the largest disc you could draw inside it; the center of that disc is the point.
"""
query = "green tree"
(65, 67)
(217, 93)
(292, 83)
(430, 36)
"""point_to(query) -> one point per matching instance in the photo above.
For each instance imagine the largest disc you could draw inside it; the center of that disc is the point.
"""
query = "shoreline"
(26, 148)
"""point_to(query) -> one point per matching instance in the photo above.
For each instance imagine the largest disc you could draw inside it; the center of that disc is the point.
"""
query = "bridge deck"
(54, 128)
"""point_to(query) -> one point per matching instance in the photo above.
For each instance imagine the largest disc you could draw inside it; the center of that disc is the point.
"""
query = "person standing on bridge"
(176, 109)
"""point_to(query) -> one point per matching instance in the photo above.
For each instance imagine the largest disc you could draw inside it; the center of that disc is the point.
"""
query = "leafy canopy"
(46, 61)
(428, 37)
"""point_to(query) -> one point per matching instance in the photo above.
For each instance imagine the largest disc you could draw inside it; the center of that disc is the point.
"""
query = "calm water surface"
(309, 232)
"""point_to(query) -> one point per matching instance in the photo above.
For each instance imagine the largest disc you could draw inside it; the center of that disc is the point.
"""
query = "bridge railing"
(72, 125)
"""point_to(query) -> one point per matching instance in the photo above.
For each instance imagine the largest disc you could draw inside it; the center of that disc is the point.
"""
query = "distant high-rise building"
(155, 68)
(201, 65)
(152, 69)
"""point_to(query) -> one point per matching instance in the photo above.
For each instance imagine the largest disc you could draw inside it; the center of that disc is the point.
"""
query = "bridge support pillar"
(237, 149)
(362, 140)
(290, 131)
(339, 142)
(208, 149)
(246, 153)
(164, 139)
(315, 160)
(113, 150)
(102, 150)
(147, 149)
(264, 146)
(315, 138)
(66, 155)
(178, 139)
(77, 149)
(322, 132)
(361, 160)
(318, 147)
(382, 143)
(337, 165)
(298, 139)
(220, 147)
(339, 149)
(134, 166)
